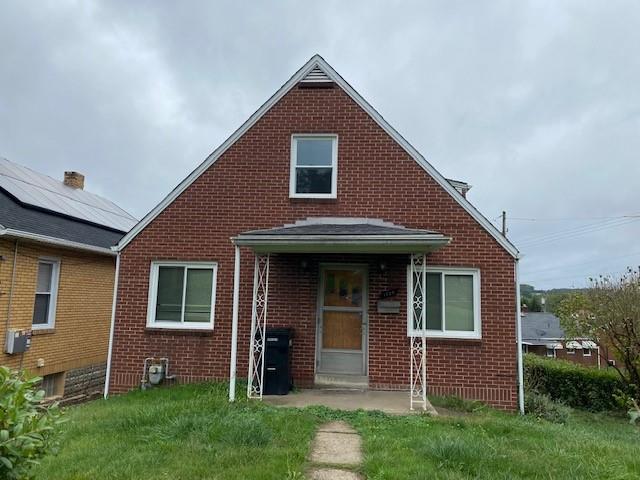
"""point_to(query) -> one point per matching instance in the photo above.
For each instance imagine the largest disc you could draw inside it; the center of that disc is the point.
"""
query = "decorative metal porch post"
(419, 342)
(255, 380)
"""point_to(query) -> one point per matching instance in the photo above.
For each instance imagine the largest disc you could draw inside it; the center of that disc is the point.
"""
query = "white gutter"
(519, 341)
(59, 242)
(234, 327)
(111, 330)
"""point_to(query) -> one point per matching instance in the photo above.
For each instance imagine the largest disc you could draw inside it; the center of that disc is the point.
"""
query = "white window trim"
(293, 166)
(153, 295)
(53, 294)
(476, 333)
(553, 355)
(584, 352)
(571, 351)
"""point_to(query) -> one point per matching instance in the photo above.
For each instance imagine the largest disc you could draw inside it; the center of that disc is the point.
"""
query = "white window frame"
(293, 165)
(474, 334)
(53, 293)
(153, 296)
(584, 352)
(553, 354)
(571, 351)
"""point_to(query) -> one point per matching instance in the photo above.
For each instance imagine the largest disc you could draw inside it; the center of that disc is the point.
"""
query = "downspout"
(13, 282)
(234, 326)
(519, 341)
(111, 331)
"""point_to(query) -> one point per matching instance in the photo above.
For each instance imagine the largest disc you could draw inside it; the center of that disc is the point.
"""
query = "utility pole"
(504, 223)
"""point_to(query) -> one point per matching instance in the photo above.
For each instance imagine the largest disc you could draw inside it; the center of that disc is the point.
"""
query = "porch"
(342, 268)
(391, 402)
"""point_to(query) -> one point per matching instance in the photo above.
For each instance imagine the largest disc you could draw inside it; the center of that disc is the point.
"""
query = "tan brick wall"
(83, 311)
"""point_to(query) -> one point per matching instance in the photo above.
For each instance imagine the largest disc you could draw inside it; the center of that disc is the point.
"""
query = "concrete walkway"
(337, 450)
(396, 403)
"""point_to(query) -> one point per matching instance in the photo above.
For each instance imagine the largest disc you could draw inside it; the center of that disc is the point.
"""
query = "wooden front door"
(342, 320)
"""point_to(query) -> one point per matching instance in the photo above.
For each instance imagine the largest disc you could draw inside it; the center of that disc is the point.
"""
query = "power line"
(570, 219)
(575, 232)
(571, 265)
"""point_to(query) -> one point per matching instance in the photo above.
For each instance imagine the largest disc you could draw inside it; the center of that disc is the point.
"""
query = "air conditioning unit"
(18, 341)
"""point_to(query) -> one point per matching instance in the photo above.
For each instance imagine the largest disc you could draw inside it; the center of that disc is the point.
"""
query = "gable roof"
(34, 189)
(313, 71)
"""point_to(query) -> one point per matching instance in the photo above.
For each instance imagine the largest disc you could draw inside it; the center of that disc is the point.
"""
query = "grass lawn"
(191, 432)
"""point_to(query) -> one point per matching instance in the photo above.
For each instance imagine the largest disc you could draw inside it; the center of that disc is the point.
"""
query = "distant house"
(543, 335)
(56, 278)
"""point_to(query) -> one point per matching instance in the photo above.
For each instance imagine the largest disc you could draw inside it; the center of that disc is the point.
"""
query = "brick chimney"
(74, 180)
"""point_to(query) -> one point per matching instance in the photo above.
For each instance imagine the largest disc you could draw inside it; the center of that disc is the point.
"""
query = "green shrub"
(542, 407)
(571, 384)
(27, 429)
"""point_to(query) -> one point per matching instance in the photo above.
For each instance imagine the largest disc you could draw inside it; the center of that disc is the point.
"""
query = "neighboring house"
(318, 216)
(543, 335)
(56, 278)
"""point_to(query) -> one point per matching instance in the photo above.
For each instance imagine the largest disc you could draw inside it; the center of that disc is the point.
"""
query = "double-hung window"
(452, 303)
(182, 295)
(44, 307)
(314, 166)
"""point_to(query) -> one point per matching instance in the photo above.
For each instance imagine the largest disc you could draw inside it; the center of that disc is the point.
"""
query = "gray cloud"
(534, 103)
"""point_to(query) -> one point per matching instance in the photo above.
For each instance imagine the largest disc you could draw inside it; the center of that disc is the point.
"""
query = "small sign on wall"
(388, 306)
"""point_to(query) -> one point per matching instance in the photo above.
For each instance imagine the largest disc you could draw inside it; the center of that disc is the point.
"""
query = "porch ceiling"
(342, 235)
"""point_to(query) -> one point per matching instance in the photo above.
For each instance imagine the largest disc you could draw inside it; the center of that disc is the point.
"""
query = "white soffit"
(39, 190)
(317, 64)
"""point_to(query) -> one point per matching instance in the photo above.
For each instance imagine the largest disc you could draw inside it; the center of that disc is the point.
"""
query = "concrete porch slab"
(395, 403)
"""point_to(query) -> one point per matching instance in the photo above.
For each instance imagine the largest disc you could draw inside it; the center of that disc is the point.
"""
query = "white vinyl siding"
(182, 295)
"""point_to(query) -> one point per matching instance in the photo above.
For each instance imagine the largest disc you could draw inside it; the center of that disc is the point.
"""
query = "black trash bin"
(277, 367)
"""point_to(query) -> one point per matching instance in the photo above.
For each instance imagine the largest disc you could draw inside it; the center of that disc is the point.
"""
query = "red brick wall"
(248, 188)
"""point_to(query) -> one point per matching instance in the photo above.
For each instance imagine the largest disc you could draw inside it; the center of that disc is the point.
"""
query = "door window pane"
(198, 303)
(313, 180)
(314, 152)
(459, 302)
(41, 309)
(169, 297)
(343, 288)
(45, 272)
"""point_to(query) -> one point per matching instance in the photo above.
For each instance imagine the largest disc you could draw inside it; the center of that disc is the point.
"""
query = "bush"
(27, 429)
(542, 407)
(573, 385)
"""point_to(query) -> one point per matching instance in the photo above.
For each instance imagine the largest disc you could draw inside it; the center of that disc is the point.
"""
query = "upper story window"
(453, 303)
(44, 307)
(314, 166)
(182, 295)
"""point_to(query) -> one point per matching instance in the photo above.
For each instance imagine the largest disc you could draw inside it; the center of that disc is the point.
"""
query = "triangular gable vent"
(316, 75)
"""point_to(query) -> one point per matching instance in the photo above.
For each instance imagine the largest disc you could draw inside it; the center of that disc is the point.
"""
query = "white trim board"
(318, 62)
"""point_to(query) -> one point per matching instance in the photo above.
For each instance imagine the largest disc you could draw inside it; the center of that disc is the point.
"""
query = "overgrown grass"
(186, 432)
(191, 432)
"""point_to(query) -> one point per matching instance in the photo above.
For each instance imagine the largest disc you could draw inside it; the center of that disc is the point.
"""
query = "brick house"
(56, 278)
(318, 216)
(543, 335)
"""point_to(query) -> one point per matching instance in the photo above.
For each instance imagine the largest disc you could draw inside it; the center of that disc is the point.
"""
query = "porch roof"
(342, 235)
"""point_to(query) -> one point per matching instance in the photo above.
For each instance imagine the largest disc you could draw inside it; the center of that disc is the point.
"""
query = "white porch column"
(418, 375)
(255, 381)
(234, 327)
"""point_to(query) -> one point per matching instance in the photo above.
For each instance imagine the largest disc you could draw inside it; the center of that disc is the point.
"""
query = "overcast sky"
(536, 104)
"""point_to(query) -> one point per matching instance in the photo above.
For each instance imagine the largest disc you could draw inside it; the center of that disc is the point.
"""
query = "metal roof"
(38, 190)
(17, 220)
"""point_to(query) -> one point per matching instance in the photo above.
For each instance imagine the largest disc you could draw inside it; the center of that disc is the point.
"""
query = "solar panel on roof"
(36, 189)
